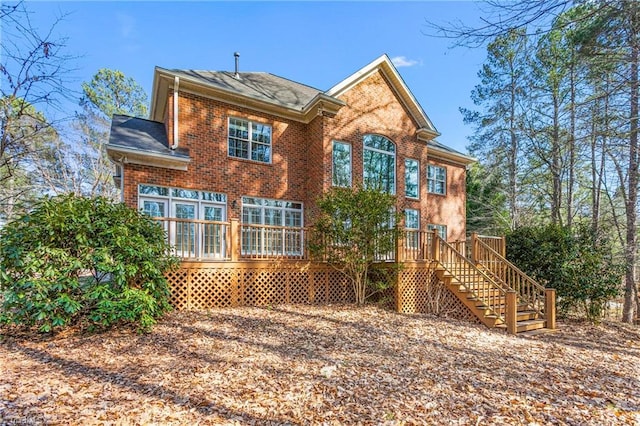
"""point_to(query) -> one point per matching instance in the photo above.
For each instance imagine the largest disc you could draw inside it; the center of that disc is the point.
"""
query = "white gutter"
(176, 85)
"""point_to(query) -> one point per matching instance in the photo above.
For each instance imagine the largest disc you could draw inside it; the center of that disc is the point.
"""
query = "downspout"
(176, 84)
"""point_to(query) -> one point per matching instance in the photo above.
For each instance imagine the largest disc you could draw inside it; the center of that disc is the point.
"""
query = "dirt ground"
(328, 365)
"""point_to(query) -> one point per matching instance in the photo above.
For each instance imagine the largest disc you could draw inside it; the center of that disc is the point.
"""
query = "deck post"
(398, 274)
(503, 246)
(474, 248)
(511, 312)
(550, 307)
(435, 245)
(235, 240)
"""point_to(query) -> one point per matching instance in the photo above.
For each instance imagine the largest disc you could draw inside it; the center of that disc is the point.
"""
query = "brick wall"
(301, 154)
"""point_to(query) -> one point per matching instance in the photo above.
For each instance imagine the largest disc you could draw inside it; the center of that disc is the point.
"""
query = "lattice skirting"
(219, 285)
(422, 292)
(224, 284)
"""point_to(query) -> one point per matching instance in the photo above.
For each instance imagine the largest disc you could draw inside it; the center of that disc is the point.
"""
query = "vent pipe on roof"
(237, 56)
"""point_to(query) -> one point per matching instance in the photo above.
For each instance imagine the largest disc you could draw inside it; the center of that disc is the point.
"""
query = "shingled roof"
(257, 85)
(134, 138)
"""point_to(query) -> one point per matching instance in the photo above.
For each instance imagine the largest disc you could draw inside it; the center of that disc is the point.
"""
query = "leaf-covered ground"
(322, 365)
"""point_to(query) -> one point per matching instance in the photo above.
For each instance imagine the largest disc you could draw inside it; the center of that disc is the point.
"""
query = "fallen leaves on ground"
(327, 365)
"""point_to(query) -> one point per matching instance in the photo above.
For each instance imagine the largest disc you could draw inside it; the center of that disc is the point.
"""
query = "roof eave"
(320, 103)
(120, 154)
(459, 158)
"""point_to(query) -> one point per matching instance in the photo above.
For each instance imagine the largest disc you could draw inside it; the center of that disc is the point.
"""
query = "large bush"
(581, 266)
(83, 261)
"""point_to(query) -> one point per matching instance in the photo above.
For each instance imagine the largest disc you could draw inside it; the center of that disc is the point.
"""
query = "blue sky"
(315, 43)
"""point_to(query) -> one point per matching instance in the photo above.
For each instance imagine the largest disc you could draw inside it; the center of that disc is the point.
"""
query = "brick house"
(251, 137)
(232, 163)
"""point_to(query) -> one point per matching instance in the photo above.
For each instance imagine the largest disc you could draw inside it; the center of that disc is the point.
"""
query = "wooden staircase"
(498, 293)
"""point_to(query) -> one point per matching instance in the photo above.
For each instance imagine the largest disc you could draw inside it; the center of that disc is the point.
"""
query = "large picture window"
(278, 230)
(341, 164)
(249, 140)
(437, 179)
(411, 178)
(379, 168)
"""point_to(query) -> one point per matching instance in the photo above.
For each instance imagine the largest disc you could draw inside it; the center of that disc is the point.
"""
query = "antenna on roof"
(237, 56)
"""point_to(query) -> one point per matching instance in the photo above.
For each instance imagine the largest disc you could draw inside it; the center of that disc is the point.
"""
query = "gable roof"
(426, 129)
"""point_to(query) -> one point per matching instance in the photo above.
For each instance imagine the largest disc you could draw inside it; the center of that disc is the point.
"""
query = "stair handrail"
(463, 264)
(528, 289)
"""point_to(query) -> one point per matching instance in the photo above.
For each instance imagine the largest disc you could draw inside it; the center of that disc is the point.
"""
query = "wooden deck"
(228, 264)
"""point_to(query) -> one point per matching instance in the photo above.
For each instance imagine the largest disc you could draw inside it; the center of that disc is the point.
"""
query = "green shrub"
(581, 266)
(84, 262)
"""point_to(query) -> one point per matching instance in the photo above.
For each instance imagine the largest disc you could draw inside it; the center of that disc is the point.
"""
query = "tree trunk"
(631, 249)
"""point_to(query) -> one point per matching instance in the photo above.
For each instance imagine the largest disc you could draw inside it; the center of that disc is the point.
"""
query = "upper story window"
(411, 178)
(249, 140)
(437, 179)
(341, 164)
(379, 168)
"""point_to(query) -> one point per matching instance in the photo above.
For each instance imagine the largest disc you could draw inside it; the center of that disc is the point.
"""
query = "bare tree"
(34, 79)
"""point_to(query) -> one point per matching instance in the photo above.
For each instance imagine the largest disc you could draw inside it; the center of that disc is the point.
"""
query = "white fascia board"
(125, 155)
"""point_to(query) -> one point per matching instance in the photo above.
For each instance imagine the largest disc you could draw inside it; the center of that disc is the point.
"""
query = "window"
(411, 178)
(278, 231)
(341, 170)
(189, 237)
(379, 169)
(249, 140)
(441, 229)
(437, 179)
(412, 225)
(411, 219)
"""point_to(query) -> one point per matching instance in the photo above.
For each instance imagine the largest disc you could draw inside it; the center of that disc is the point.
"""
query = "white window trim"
(283, 208)
(405, 219)
(333, 143)
(405, 178)
(170, 200)
(251, 122)
(435, 226)
(395, 167)
(445, 179)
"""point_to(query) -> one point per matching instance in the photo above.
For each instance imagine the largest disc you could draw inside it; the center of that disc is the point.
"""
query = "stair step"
(536, 332)
(527, 315)
(530, 325)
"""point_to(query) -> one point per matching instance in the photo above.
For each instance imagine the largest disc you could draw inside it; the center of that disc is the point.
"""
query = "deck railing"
(418, 245)
(197, 239)
(527, 289)
(492, 295)
(268, 242)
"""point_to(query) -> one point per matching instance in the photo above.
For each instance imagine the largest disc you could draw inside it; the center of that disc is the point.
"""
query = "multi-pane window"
(441, 229)
(379, 168)
(277, 230)
(188, 236)
(341, 164)
(412, 224)
(411, 178)
(437, 179)
(411, 219)
(250, 140)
